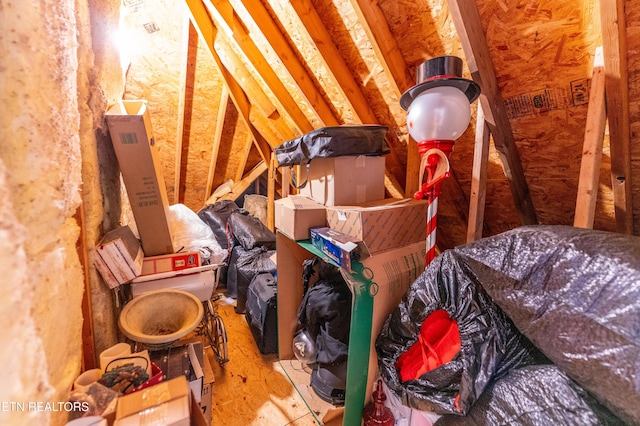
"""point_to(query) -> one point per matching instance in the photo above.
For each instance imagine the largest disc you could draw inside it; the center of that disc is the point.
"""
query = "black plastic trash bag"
(489, 344)
(575, 294)
(536, 395)
(325, 311)
(216, 216)
(243, 267)
(249, 231)
(333, 141)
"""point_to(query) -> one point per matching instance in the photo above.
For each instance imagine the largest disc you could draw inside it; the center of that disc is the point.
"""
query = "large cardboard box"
(119, 257)
(296, 214)
(391, 273)
(132, 138)
(351, 179)
(382, 225)
(206, 402)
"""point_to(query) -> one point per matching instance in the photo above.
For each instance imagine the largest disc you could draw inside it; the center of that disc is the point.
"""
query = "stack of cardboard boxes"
(344, 196)
(148, 264)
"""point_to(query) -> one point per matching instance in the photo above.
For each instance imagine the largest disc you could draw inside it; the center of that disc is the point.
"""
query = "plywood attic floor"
(252, 389)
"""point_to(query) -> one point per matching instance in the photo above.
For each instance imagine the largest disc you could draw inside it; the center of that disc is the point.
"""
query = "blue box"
(340, 248)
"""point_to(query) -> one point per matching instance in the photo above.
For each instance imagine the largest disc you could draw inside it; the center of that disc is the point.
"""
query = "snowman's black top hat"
(440, 71)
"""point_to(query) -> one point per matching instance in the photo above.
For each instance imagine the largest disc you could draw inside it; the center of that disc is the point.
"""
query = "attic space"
(217, 87)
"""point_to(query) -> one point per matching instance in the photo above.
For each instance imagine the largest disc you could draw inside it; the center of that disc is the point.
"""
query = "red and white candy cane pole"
(435, 161)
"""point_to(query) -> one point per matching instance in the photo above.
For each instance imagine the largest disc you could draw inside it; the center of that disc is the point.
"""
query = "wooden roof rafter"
(467, 21)
(225, 18)
(208, 33)
(260, 16)
(614, 45)
(217, 140)
(185, 106)
(312, 25)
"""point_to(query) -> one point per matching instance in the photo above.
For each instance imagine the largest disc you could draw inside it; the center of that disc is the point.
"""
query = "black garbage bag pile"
(575, 294)
(534, 395)
(249, 244)
(448, 381)
(253, 249)
(555, 295)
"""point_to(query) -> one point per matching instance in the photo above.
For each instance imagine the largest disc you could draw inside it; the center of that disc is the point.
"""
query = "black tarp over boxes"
(132, 138)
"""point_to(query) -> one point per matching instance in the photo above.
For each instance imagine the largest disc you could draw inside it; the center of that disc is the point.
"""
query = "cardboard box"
(200, 284)
(344, 180)
(382, 225)
(132, 138)
(167, 403)
(206, 402)
(391, 273)
(295, 214)
(120, 253)
(170, 262)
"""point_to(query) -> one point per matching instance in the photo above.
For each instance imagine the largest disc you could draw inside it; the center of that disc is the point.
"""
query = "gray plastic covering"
(537, 395)
(575, 294)
(490, 344)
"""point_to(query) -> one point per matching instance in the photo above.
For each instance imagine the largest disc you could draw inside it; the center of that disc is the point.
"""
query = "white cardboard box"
(351, 179)
(119, 257)
(132, 138)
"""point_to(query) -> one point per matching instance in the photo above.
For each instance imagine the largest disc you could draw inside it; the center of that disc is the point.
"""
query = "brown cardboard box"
(382, 225)
(295, 214)
(119, 257)
(132, 138)
(206, 402)
(393, 271)
(344, 180)
(167, 403)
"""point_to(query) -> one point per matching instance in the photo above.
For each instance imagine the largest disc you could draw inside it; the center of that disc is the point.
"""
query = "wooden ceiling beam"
(246, 181)
(478, 178)
(614, 45)
(185, 107)
(466, 19)
(264, 110)
(306, 82)
(592, 147)
(217, 141)
(243, 153)
(226, 19)
(384, 44)
(208, 33)
(352, 92)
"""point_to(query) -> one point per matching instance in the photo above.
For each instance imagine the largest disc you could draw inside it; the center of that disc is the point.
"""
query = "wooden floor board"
(252, 389)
